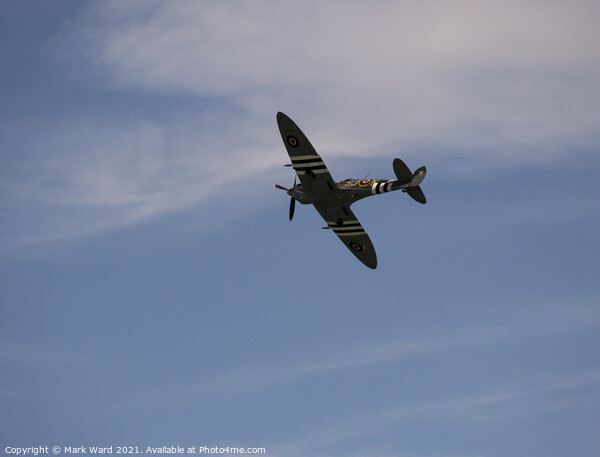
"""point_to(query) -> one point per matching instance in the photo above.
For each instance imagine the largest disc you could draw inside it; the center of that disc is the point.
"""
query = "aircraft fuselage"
(347, 191)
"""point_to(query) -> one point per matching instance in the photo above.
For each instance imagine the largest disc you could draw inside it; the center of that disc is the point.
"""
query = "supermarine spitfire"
(332, 199)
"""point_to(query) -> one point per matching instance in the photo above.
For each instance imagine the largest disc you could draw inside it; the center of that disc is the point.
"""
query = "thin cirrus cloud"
(497, 84)
(535, 321)
(521, 397)
(85, 178)
(468, 75)
(500, 403)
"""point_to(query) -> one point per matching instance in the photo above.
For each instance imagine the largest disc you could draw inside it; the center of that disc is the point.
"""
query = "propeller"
(289, 191)
(292, 207)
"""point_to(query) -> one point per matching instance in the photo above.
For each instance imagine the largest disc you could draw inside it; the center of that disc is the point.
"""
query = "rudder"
(402, 172)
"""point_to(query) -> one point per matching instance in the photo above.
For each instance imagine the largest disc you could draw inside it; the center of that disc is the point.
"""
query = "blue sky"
(154, 293)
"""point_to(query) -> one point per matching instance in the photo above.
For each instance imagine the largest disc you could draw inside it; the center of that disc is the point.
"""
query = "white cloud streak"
(467, 75)
(501, 84)
(87, 178)
(533, 322)
(500, 403)
(17, 356)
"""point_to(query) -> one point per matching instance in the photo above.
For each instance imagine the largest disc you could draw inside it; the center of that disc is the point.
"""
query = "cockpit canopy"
(350, 182)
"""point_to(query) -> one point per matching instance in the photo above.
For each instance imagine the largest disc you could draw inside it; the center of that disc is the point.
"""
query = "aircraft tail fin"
(402, 172)
(408, 181)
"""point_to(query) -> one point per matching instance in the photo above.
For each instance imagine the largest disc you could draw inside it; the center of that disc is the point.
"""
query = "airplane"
(332, 199)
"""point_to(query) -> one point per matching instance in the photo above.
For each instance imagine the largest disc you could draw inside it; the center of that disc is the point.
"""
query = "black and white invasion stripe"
(348, 228)
(379, 187)
(312, 162)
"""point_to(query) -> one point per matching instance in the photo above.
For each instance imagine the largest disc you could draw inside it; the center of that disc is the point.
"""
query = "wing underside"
(316, 181)
(343, 223)
(309, 166)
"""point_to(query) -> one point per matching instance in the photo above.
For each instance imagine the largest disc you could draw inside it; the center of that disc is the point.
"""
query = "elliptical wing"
(309, 166)
(343, 223)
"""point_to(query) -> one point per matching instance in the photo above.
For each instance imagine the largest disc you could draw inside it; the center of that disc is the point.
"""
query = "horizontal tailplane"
(418, 176)
(416, 193)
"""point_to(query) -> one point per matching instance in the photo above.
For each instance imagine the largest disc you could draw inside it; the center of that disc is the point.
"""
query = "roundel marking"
(292, 141)
(355, 246)
(365, 182)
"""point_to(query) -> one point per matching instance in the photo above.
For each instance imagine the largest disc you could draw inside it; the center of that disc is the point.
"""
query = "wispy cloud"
(474, 76)
(89, 177)
(513, 328)
(17, 357)
(498, 84)
(499, 403)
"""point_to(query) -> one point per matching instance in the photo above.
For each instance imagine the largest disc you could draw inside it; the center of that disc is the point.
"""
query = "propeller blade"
(292, 207)
(280, 187)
